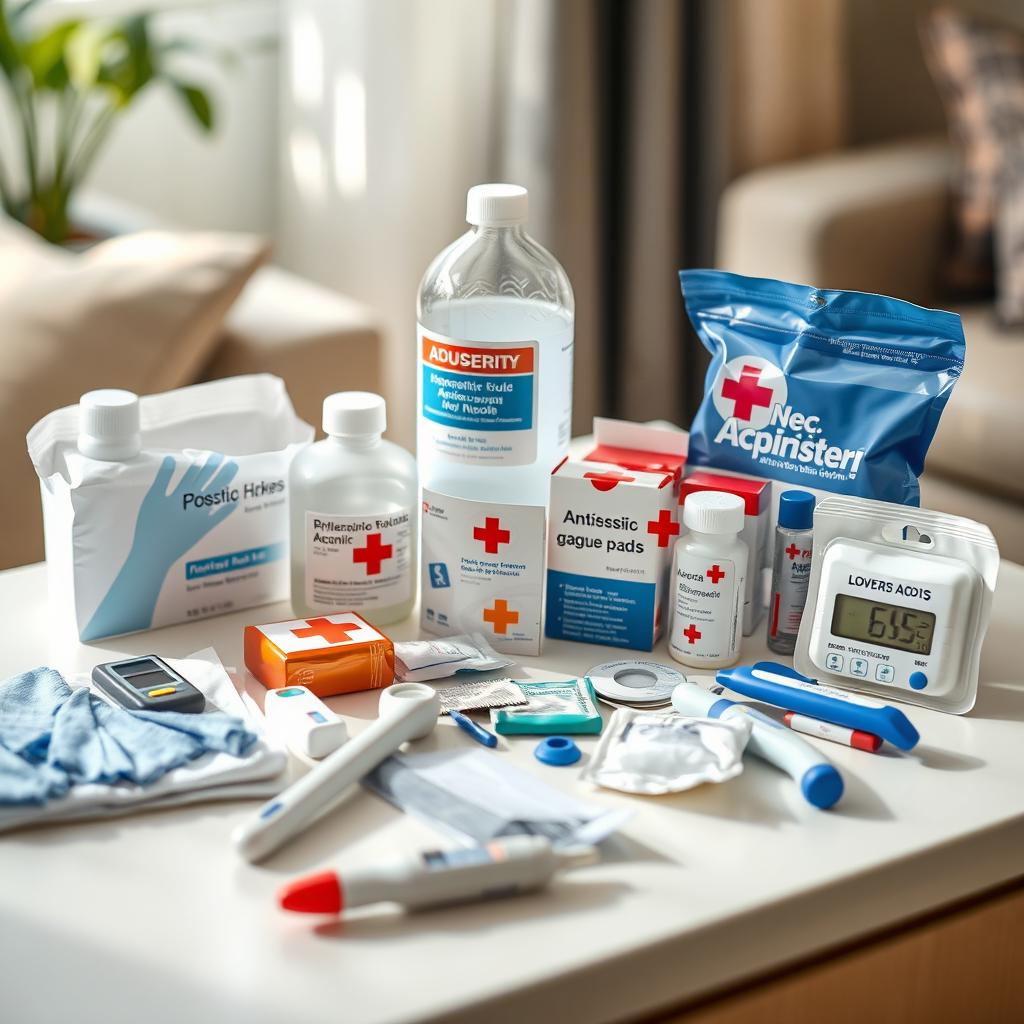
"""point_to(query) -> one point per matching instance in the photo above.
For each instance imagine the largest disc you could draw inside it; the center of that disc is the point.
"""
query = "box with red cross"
(483, 570)
(328, 654)
(612, 529)
(756, 495)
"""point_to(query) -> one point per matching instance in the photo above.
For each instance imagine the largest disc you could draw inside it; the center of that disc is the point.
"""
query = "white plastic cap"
(351, 413)
(713, 512)
(498, 206)
(108, 424)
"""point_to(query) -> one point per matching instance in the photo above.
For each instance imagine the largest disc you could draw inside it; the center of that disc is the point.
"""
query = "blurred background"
(822, 141)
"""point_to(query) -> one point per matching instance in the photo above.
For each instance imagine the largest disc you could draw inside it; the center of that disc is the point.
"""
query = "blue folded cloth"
(53, 737)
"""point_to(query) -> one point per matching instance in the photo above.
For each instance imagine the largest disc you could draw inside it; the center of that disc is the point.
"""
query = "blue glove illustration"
(165, 530)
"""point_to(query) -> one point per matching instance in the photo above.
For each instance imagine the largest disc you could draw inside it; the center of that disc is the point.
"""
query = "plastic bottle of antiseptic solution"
(494, 353)
(353, 502)
(709, 576)
(791, 569)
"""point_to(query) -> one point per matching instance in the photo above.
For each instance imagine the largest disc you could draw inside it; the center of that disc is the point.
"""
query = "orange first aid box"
(328, 654)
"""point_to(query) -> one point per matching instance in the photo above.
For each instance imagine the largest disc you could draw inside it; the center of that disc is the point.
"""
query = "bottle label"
(479, 402)
(358, 563)
(789, 587)
(707, 605)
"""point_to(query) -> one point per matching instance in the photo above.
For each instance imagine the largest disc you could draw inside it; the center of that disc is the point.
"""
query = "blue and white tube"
(820, 781)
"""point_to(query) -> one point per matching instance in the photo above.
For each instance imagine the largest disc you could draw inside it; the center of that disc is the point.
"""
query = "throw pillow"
(139, 311)
(979, 70)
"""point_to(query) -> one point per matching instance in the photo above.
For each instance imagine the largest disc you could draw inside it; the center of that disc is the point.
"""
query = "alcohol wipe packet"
(195, 524)
(833, 390)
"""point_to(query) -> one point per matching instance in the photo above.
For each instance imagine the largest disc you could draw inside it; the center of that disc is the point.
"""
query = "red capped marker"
(857, 738)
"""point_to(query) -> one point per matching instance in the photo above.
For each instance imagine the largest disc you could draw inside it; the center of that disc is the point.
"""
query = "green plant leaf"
(197, 101)
(10, 58)
(44, 56)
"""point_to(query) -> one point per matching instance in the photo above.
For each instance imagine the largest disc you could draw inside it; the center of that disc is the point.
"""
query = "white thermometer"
(408, 711)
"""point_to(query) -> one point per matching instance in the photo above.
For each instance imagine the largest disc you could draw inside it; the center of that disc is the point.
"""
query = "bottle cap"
(796, 510)
(351, 413)
(557, 750)
(108, 424)
(497, 205)
(713, 512)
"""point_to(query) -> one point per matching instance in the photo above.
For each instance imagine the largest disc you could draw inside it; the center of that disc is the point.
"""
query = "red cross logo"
(664, 527)
(501, 616)
(491, 534)
(332, 632)
(692, 633)
(792, 551)
(374, 554)
(746, 392)
(715, 573)
(607, 479)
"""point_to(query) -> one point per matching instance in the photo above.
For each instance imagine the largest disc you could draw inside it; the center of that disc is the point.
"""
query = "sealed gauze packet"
(829, 390)
(193, 524)
(419, 660)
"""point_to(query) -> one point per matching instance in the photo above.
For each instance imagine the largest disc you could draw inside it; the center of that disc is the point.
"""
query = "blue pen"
(783, 687)
(478, 732)
(819, 780)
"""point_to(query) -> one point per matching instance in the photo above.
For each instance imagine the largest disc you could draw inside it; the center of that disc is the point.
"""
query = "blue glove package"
(835, 390)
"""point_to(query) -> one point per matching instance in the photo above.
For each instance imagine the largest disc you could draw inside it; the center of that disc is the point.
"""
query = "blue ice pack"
(835, 390)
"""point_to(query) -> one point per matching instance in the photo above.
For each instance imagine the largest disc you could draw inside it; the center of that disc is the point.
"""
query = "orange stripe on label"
(503, 361)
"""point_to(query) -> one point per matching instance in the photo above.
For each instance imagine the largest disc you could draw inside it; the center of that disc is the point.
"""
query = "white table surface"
(154, 917)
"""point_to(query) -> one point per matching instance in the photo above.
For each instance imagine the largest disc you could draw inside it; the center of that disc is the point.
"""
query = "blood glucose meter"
(897, 601)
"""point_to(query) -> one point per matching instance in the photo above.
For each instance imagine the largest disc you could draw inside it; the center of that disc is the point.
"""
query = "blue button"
(918, 680)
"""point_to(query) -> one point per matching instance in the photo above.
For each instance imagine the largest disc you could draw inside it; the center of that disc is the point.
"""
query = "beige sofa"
(315, 339)
(875, 220)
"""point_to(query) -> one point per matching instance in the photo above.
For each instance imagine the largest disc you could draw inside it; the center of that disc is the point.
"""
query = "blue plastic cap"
(557, 750)
(822, 786)
(796, 510)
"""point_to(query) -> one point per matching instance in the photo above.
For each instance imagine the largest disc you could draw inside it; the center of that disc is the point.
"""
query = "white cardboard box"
(613, 524)
(482, 569)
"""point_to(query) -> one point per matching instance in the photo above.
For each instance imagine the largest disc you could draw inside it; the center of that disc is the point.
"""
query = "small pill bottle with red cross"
(709, 574)
(353, 503)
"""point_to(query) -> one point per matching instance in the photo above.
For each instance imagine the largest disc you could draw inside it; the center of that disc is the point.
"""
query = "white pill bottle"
(353, 510)
(709, 576)
(494, 351)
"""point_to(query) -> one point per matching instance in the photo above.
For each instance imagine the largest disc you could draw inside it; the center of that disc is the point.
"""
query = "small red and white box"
(757, 501)
(328, 654)
(613, 525)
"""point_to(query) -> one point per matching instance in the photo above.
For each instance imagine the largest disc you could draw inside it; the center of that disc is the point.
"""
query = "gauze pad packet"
(838, 391)
(193, 525)
(655, 752)
(558, 706)
(419, 660)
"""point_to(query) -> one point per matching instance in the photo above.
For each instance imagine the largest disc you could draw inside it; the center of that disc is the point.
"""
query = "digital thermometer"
(889, 617)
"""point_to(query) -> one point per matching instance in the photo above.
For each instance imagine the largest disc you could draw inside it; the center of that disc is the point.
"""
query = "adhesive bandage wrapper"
(653, 752)
(417, 661)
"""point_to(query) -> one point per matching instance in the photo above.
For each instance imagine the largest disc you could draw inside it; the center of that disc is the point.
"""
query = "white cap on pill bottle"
(354, 414)
(108, 425)
(497, 205)
(713, 512)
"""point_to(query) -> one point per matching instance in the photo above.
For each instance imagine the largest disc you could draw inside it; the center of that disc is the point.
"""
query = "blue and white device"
(819, 780)
(886, 617)
(784, 687)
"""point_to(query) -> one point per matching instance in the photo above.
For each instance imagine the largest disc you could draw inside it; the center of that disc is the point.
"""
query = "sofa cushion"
(979, 68)
(979, 435)
(141, 312)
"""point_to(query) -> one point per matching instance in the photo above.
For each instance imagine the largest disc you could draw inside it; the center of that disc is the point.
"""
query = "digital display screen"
(144, 674)
(886, 625)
